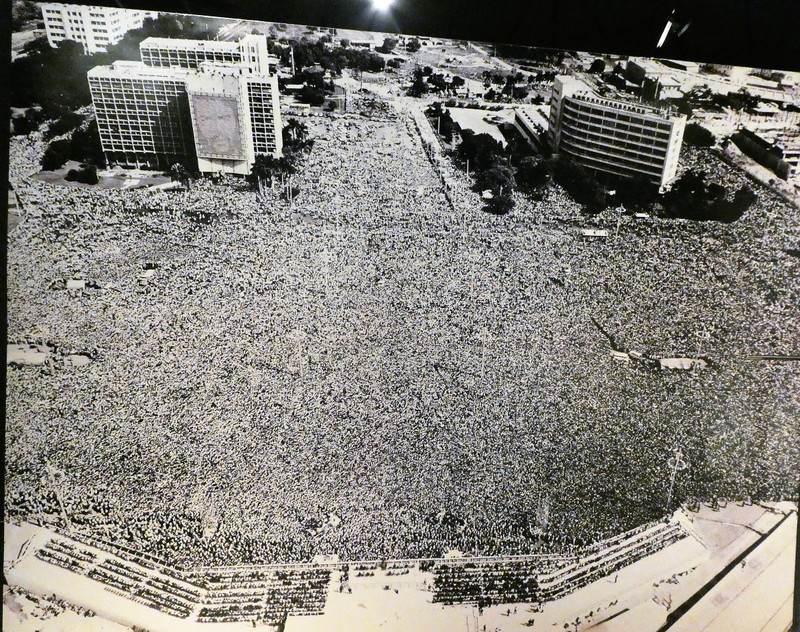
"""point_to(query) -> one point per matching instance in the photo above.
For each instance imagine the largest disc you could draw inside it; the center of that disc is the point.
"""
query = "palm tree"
(179, 173)
(297, 130)
(264, 169)
(295, 135)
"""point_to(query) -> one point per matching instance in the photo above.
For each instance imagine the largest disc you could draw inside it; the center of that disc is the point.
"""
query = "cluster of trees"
(165, 25)
(740, 100)
(314, 86)
(425, 80)
(64, 124)
(698, 136)
(508, 86)
(692, 197)
(22, 12)
(485, 157)
(335, 58)
(441, 121)
(267, 170)
(541, 56)
(82, 146)
(52, 78)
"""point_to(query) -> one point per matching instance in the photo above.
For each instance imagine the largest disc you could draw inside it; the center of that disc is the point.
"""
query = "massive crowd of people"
(375, 372)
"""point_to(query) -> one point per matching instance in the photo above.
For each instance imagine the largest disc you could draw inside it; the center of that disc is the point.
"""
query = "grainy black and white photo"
(315, 329)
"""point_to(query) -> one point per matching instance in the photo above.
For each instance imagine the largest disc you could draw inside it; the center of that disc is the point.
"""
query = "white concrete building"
(251, 51)
(215, 117)
(96, 28)
(613, 136)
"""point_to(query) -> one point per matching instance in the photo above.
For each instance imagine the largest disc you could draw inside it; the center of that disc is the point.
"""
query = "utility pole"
(677, 463)
(51, 473)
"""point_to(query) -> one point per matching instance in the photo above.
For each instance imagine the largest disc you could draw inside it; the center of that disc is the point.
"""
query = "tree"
(27, 123)
(636, 192)
(312, 96)
(87, 174)
(579, 182)
(499, 178)
(698, 136)
(481, 150)
(295, 137)
(531, 174)
(499, 204)
(85, 145)
(598, 66)
(264, 170)
(418, 87)
(388, 46)
(63, 124)
(56, 155)
(295, 131)
(179, 173)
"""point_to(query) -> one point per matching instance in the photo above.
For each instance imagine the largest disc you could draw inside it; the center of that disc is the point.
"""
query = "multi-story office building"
(614, 136)
(96, 28)
(143, 114)
(212, 116)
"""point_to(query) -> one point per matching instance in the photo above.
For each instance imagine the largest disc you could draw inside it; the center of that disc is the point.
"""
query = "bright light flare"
(382, 5)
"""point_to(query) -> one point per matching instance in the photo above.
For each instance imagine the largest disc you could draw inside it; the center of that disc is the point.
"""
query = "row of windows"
(608, 154)
(617, 149)
(627, 141)
(603, 156)
(185, 59)
(617, 130)
(622, 116)
(107, 89)
(650, 128)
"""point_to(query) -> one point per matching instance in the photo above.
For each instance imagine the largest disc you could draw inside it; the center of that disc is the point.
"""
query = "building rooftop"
(168, 42)
(137, 69)
(578, 88)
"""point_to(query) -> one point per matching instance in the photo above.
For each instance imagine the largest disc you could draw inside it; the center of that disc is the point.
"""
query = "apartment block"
(96, 28)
